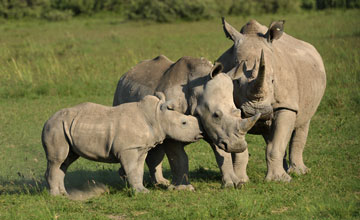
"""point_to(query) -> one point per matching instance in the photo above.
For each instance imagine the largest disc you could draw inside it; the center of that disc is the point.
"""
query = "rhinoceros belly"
(92, 138)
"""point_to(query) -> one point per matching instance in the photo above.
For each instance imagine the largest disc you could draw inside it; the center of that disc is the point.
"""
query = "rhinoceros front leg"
(296, 148)
(240, 161)
(133, 164)
(277, 141)
(225, 163)
(179, 165)
(154, 162)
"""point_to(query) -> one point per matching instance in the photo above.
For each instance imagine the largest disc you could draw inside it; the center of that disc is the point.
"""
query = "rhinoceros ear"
(275, 31)
(217, 68)
(231, 32)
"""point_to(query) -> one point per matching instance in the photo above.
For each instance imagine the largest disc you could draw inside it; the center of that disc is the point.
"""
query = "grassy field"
(48, 66)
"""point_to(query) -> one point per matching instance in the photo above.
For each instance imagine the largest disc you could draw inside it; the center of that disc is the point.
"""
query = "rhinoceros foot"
(141, 190)
(58, 192)
(298, 169)
(232, 180)
(160, 181)
(188, 187)
(278, 175)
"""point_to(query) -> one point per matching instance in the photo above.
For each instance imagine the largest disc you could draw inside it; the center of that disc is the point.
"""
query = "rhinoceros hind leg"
(225, 163)
(57, 150)
(297, 145)
(154, 162)
(71, 158)
(277, 141)
(55, 179)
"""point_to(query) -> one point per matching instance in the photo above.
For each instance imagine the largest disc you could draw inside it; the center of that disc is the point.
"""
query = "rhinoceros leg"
(55, 178)
(179, 165)
(225, 163)
(57, 150)
(297, 144)
(277, 141)
(154, 162)
(240, 161)
(133, 164)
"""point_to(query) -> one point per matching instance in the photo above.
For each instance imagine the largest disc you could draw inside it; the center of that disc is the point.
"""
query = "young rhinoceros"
(112, 134)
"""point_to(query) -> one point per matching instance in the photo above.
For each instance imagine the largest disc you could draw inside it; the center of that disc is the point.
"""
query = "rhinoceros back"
(141, 80)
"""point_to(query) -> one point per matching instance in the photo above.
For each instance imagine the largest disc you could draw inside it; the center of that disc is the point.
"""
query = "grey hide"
(122, 134)
(196, 87)
(284, 79)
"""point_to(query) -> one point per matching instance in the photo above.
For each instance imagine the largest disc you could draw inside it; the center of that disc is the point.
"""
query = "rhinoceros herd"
(267, 83)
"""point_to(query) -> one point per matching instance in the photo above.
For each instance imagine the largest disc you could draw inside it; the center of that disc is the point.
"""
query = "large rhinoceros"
(284, 79)
(197, 87)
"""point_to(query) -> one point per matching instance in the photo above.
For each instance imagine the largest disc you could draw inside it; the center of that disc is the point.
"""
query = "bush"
(57, 15)
(245, 7)
(161, 10)
(169, 10)
(21, 8)
(308, 4)
(323, 4)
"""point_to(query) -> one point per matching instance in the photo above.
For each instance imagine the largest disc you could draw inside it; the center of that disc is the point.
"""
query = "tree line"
(160, 10)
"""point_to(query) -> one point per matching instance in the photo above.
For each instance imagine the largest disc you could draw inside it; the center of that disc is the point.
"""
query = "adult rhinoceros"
(284, 79)
(196, 87)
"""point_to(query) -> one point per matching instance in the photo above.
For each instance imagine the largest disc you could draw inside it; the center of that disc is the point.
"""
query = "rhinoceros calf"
(284, 79)
(112, 134)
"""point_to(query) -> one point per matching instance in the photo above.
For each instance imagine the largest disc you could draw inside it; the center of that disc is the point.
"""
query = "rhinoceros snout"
(238, 147)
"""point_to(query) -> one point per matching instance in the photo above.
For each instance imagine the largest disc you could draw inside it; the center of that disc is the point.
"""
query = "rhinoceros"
(284, 79)
(122, 134)
(199, 88)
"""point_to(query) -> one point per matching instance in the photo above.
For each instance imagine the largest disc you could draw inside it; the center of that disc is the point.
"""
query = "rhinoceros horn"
(246, 124)
(258, 90)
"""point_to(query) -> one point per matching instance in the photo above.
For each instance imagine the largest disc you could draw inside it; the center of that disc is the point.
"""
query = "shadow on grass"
(74, 181)
(86, 180)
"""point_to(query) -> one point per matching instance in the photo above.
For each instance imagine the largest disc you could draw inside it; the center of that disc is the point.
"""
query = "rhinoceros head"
(253, 53)
(177, 126)
(219, 117)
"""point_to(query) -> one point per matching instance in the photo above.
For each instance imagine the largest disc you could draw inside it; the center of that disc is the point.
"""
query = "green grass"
(48, 66)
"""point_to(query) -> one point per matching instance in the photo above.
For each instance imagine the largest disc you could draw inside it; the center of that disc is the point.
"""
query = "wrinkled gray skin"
(284, 79)
(122, 134)
(196, 87)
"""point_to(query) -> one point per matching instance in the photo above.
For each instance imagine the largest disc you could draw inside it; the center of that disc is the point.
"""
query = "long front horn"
(247, 123)
(257, 89)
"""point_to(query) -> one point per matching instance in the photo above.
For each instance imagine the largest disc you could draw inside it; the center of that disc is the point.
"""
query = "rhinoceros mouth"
(240, 147)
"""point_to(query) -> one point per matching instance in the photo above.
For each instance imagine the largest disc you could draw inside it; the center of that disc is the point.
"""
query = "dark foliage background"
(160, 10)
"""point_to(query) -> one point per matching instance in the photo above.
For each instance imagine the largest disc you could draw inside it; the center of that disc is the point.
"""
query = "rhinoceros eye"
(217, 114)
